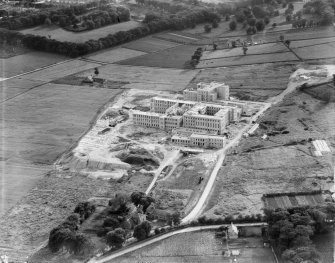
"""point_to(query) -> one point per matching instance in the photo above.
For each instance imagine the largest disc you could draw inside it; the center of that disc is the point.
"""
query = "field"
(7, 51)
(27, 62)
(292, 201)
(150, 44)
(253, 82)
(145, 77)
(247, 60)
(252, 50)
(60, 70)
(49, 119)
(316, 52)
(79, 37)
(114, 55)
(277, 164)
(199, 246)
(175, 57)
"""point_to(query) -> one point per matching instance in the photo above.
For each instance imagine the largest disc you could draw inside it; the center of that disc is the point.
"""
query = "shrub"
(215, 24)
(266, 20)
(47, 21)
(274, 25)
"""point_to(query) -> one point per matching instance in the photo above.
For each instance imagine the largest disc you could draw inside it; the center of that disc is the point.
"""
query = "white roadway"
(162, 237)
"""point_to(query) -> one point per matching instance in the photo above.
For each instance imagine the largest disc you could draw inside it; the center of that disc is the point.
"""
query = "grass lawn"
(170, 58)
(199, 247)
(60, 34)
(27, 62)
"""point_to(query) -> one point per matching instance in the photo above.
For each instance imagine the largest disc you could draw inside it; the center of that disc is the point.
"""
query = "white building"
(199, 140)
(207, 92)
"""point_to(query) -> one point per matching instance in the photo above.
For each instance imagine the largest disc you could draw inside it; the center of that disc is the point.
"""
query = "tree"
(260, 25)
(266, 20)
(252, 22)
(111, 222)
(207, 28)
(274, 25)
(47, 22)
(232, 25)
(174, 219)
(288, 18)
(58, 237)
(290, 6)
(142, 231)
(215, 23)
(116, 238)
(136, 197)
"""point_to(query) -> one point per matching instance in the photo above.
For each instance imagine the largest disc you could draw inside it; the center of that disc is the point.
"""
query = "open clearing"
(199, 247)
(27, 62)
(38, 126)
(170, 58)
(150, 44)
(114, 55)
(145, 77)
(273, 166)
(60, 34)
(253, 82)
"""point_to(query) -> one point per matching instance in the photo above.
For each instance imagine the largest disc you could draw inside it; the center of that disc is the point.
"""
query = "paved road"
(162, 237)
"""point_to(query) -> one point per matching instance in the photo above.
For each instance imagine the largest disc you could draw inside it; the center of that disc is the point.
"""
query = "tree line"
(182, 20)
(98, 14)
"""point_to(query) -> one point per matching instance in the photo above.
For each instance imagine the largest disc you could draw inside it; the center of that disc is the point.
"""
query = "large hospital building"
(199, 113)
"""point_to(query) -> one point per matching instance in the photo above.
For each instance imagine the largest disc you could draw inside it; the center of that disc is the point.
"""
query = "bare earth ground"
(253, 82)
(199, 246)
(250, 173)
(60, 34)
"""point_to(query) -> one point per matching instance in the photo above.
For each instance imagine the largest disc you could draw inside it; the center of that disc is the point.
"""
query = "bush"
(84, 209)
(266, 20)
(232, 25)
(274, 25)
(251, 30)
(47, 22)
